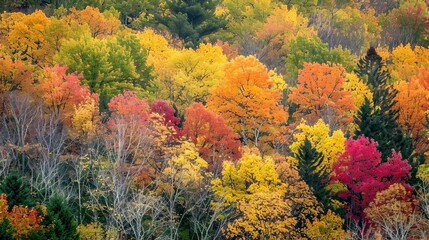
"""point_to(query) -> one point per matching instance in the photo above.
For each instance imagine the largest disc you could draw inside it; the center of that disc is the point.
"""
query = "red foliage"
(162, 108)
(215, 140)
(61, 91)
(361, 171)
(129, 108)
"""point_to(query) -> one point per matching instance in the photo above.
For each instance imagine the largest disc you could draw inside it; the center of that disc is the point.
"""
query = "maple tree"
(169, 113)
(320, 94)
(407, 61)
(101, 25)
(328, 226)
(361, 171)
(247, 100)
(109, 66)
(26, 40)
(413, 103)
(61, 91)
(313, 50)
(215, 140)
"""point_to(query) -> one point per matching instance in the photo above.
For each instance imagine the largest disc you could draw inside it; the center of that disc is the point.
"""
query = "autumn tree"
(191, 20)
(255, 190)
(330, 145)
(188, 75)
(362, 160)
(247, 101)
(60, 91)
(100, 24)
(393, 211)
(283, 25)
(215, 140)
(320, 94)
(27, 42)
(412, 103)
(168, 112)
(109, 66)
(313, 50)
(328, 226)
(377, 119)
(406, 61)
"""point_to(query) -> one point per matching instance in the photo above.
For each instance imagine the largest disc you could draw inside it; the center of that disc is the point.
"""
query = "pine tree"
(192, 19)
(17, 190)
(309, 160)
(378, 119)
(60, 221)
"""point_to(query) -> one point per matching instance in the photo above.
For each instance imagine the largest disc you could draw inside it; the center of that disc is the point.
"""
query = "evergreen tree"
(378, 119)
(17, 190)
(192, 19)
(60, 220)
(6, 229)
(309, 161)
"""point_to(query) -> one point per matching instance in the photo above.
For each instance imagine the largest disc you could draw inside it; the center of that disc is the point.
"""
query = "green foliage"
(310, 50)
(6, 229)
(17, 190)
(109, 66)
(60, 220)
(309, 162)
(378, 119)
(191, 20)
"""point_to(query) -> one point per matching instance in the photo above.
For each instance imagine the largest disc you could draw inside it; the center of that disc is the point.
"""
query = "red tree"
(164, 109)
(361, 171)
(129, 108)
(215, 140)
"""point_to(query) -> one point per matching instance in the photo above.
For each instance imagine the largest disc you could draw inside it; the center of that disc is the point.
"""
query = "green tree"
(309, 160)
(191, 20)
(17, 190)
(109, 66)
(377, 119)
(60, 220)
(304, 49)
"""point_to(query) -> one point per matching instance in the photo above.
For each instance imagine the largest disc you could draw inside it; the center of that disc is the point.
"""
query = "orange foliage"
(413, 104)
(22, 219)
(215, 141)
(61, 91)
(99, 24)
(14, 75)
(320, 94)
(247, 100)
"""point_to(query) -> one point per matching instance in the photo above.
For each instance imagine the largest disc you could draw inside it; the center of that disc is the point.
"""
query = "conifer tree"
(17, 190)
(377, 119)
(60, 220)
(309, 162)
(192, 19)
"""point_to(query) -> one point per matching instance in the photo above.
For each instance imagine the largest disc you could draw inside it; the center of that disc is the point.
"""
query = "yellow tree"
(328, 226)
(280, 27)
(252, 186)
(330, 145)
(320, 94)
(407, 61)
(27, 41)
(247, 100)
(100, 24)
(190, 75)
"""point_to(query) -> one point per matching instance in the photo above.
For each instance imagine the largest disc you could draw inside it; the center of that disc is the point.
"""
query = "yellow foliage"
(92, 231)
(329, 226)
(186, 170)
(407, 61)
(392, 205)
(265, 216)
(330, 145)
(86, 118)
(358, 89)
